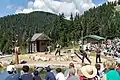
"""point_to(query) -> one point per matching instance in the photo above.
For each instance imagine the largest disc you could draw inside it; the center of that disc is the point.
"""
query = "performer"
(58, 47)
(84, 54)
(98, 51)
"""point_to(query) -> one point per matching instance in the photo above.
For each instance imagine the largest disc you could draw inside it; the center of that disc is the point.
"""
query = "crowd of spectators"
(109, 70)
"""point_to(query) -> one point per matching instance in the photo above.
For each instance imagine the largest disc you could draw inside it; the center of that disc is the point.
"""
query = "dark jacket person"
(26, 75)
(49, 75)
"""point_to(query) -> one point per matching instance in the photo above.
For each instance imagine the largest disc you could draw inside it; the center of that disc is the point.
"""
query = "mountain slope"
(22, 27)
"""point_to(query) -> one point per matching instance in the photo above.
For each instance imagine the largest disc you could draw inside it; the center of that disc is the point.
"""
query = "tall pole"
(82, 37)
(17, 51)
(16, 58)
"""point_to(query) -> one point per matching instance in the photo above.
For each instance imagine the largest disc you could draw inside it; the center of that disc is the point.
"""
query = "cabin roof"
(40, 36)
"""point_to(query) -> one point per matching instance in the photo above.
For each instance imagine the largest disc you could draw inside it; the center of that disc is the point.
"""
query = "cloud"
(63, 6)
(14, 7)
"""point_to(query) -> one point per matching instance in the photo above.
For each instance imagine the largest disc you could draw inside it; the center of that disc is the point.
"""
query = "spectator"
(36, 76)
(99, 73)
(97, 66)
(71, 66)
(72, 75)
(89, 72)
(112, 74)
(12, 73)
(118, 66)
(49, 75)
(105, 67)
(80, 75)
(26, 75)
(60, 75)
(39, 69)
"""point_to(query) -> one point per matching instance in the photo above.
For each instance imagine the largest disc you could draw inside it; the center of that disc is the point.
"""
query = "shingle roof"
(40, 36)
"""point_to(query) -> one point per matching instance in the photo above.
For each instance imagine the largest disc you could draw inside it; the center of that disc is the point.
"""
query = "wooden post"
(34, 46)
(82, 38)
(17, 51)
(16, 58)
(30, 47)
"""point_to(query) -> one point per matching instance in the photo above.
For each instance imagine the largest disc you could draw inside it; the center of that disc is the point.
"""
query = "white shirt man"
(60, 76)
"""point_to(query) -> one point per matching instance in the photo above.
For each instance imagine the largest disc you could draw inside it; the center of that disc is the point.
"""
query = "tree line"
(102, 21)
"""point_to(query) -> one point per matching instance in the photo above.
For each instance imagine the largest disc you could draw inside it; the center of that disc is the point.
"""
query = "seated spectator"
(98, 67)
(104, 69)
(89, 73)
(12, 73)
(39, 69)
(118, 66)
(36, 76)
(72, 75)
(71, 66)
(80, 75)
(60, 75)
(49, 75)
(23, 62)
(112, 74)
(26, 75)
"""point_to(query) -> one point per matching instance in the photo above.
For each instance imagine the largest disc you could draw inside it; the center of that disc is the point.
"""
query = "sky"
(8, 7)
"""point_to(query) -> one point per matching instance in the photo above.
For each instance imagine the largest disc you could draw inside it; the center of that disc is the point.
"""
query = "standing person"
(84, 54)
(58, 47)
(98, 51)
(49, 75)
(36, 76)
(26, 75)
(49, 49)
(60, 75)
(12, 73)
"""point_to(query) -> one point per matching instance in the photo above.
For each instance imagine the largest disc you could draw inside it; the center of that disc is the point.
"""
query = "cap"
(11, 68)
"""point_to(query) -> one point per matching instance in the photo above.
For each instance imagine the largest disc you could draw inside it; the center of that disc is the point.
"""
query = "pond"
(4, 74)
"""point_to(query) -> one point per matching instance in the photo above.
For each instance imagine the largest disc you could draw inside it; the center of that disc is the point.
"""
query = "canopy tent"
(94, 37)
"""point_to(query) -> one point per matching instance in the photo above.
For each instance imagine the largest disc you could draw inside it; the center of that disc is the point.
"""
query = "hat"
(39, 69)
(118, 60)
(89, 71)
(11, 68)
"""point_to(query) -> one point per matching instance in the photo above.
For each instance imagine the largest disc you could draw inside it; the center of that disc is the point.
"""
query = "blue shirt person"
(26, 75)
(49, 75)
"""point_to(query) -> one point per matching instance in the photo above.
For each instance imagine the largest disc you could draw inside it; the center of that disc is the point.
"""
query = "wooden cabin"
(39, 43)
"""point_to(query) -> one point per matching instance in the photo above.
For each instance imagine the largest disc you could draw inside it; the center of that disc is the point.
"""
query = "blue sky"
(99, 1)
(8, 7)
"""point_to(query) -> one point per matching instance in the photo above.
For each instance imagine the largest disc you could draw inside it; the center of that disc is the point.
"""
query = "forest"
(103, 21)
